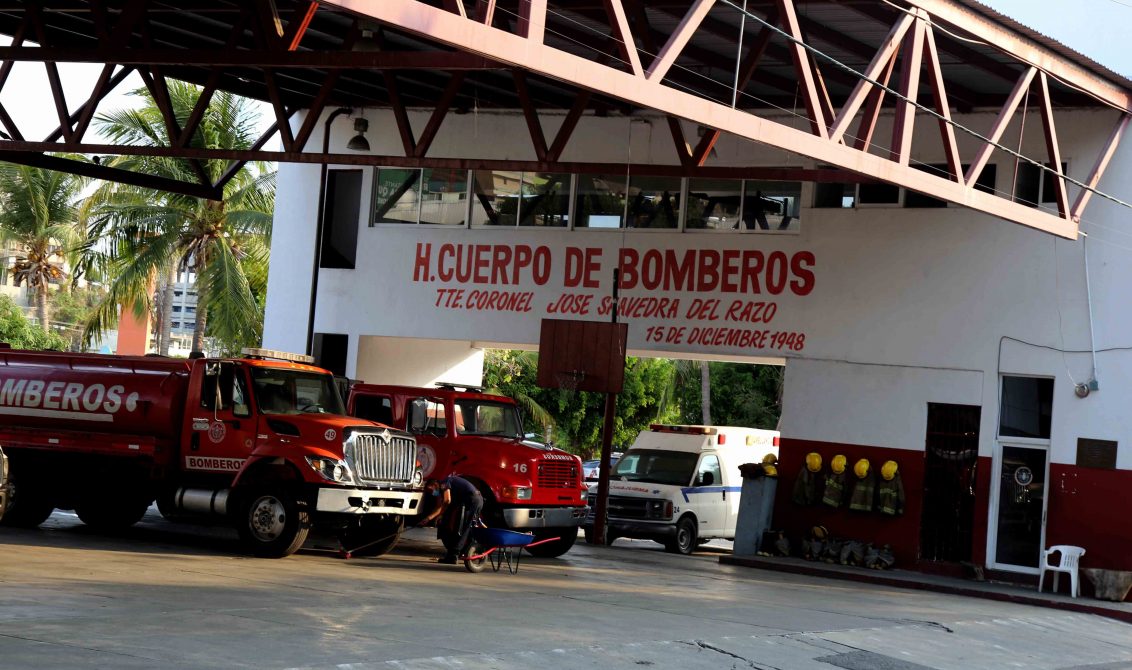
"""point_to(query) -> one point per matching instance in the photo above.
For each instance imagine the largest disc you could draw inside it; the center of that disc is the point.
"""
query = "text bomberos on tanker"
(66, 396)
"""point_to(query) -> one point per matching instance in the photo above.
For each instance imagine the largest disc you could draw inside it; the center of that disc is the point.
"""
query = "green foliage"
(18, 332)
(578, 416)
(147, 234)
(70, 310)
(741, 395)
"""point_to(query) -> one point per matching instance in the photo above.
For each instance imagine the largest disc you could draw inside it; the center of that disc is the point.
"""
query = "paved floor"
(180, 597)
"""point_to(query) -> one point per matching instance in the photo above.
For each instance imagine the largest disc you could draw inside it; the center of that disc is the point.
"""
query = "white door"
(708, 497)
(1020, 506)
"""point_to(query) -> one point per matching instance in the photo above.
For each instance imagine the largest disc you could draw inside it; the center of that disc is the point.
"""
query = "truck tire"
(684, 541)
(111, 510)
(372, 537)
(566, 539)
(271, 521)
(27, 506)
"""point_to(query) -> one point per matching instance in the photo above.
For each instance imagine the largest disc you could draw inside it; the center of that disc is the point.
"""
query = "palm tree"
(684, 373)
(221, 245)
(40, 215)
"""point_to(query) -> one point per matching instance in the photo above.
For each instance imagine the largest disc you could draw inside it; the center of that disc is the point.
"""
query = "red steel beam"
(438, 25)
(1053, 148)
(883, 59)
(911, 62)
(679, 39)
(1025, 50)
(823, 175)
(1003, 120)
(256, 58)
(438, 114)
(1100, 166)
(805, 74)
(534, 126)
(942, 107)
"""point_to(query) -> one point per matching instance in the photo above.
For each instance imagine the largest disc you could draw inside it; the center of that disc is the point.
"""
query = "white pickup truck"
(680, 485)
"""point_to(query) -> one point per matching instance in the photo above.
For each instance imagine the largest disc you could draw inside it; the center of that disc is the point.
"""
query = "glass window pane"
(713, 204)
(445, 197)
(654, 202)
(1027, 406)
(878, 194)
(837, 196)
(600, 201)
(396, 195)
(546, 199)
(496, 197)
(772, 205)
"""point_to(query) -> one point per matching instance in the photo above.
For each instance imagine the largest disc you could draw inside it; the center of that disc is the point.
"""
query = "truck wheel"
(272, 523)
(110, 511)
(27, 507)
(685, 540)
(566, 539)
(372, 537)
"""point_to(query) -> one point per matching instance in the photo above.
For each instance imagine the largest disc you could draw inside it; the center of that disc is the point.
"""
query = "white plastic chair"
(1070, 556)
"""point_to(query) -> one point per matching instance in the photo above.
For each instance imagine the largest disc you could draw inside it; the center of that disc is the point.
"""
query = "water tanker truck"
(262, 441)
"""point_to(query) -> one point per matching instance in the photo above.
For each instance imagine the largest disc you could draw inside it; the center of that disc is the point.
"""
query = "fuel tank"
(93, 392)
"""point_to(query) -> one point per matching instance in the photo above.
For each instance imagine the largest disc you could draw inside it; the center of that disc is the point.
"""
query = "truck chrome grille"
(622, 507)
(557, 475)
(381, 457)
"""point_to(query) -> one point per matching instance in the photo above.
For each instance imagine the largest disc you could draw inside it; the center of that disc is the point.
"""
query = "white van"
(679, 485)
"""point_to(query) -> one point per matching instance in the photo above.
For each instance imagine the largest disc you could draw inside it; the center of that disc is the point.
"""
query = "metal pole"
(600, 510)
(739, 56)
(320, 225)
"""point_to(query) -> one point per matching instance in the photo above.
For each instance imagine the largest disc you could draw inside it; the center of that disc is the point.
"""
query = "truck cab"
(479, 436)
(680, 485)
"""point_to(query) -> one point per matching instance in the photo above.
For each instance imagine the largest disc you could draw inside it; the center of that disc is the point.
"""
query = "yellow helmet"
(861, 469)
(813, 461)
(770, 459)
(770, 470)
(837, 464)
(819, 532)
(888, 470)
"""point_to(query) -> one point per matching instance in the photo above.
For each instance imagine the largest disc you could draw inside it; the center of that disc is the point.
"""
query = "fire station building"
(942, 264)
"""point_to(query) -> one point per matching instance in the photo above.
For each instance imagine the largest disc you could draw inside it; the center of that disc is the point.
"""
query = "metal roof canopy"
(536, 55)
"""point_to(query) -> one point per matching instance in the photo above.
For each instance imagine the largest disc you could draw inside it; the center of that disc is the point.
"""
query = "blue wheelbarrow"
(498, 547)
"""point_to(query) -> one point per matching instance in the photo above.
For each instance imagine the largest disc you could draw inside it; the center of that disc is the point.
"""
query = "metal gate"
(951, 460)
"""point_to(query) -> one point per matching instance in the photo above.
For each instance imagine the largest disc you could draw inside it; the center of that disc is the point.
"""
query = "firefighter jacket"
(864, 493)
(806, 491)
(890, 496)
(834, 494)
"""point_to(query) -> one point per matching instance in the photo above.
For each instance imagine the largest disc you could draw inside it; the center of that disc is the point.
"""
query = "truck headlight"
(585, 495)
(417, 478)
(331, 469)
(660, 509)
(517, 492)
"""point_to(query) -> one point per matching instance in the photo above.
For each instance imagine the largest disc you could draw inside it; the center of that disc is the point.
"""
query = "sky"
(1099, 29)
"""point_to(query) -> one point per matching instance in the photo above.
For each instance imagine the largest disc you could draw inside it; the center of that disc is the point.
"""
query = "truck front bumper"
(544, 517)
(367, 501)
(644, 530)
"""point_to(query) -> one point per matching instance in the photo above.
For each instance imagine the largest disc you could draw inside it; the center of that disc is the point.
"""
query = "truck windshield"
(478, 417)
(656, 467)
(279, 391)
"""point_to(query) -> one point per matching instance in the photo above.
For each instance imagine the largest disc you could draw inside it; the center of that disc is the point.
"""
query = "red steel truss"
(523, 55)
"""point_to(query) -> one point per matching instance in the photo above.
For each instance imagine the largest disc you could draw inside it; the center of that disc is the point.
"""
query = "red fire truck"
(262, 440)
(459, 430)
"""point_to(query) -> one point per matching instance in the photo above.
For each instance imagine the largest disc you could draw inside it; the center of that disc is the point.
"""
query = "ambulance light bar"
(254, 352)
(685, 430)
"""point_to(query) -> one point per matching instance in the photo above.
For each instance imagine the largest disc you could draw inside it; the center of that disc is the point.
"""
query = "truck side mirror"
(418, 416)
(707, 478)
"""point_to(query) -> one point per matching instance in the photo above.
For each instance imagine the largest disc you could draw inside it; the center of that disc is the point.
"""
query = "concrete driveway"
(180, 596)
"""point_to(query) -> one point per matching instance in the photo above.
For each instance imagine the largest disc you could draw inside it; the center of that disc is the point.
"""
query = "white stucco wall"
(908, 306)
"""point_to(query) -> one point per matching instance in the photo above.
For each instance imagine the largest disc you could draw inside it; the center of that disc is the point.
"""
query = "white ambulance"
(679, 485)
